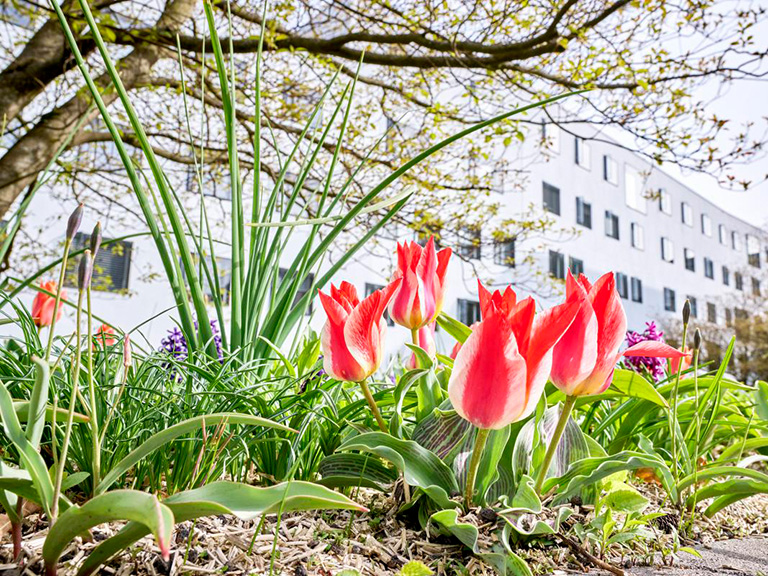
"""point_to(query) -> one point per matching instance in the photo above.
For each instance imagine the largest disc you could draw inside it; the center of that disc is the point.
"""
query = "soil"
(379, 543)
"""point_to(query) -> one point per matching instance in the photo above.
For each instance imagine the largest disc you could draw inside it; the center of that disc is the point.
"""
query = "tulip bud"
(127, 361)
(95, 240)
(686, 311)
(697, 340)
(84, 271)
(74, 222)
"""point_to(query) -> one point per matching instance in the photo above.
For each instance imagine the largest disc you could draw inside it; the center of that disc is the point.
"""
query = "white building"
(665, 243)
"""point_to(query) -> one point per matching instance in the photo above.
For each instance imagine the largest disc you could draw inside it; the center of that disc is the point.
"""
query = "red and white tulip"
(419, 298)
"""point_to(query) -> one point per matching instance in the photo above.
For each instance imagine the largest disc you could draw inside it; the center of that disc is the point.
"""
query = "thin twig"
(581, 551)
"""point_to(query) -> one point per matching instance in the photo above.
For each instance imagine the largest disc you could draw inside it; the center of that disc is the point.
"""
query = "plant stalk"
(70, 414)
(673, 418)
(553, 443)
(474, 463)
(372, 404)
(96, 464)
(57, 303)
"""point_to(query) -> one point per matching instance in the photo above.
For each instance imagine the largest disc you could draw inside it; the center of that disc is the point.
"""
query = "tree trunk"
(31, 153)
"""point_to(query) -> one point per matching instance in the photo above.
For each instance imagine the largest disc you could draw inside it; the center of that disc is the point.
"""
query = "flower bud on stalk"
(697, 340)
(686, 311)
(127, 360)
(74, 222)
(84, 271)
(95, 240)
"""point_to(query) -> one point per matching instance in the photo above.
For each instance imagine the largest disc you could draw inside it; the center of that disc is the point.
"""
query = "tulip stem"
(57, 301)
(673, 423)
(474, 463)
(372, 404)
(559, 429)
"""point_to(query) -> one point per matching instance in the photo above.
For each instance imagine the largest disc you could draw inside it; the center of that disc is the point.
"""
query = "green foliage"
(415, 568)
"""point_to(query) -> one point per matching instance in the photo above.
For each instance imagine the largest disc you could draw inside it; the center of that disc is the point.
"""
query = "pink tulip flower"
(501, 370)
(586, 356)
(419, 298)
(353, 336)
(104, 336)
(426, 343)
(681, 364)
(43, 305)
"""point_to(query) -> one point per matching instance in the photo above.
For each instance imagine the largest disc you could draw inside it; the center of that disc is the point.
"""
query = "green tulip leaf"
(350, 469)
(241, 500)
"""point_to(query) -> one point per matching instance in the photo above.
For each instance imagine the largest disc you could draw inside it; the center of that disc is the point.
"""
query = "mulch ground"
(375, 543)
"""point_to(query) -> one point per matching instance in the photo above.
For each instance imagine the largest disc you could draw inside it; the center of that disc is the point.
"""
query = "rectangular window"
(738, 280)
(370, 289)
(576, 266)
(722, 234)
(709, 268)
(112, 267)
(694, 307)
(637, 290)
(304, 287)
(504, 252)
(667, 250)
(556, 265)
(611, 225)
(470, 244)
(583, 212)
(633, 190)
(638, 236)
(550, 136)
(610, 170)
(735, 240)
(711, 313)
(622, 286)
(582, 153)
(753, 251)
(665, 201)
(690, 259)
(469, 311)
(551, 196)
(686, 213)
(726, 276)
(728, 317)
(706, 225)
(755, 287)
(669, 300)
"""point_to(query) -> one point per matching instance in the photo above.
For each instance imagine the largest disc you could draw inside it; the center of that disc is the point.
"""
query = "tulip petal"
(362, 333)
(521, 317)
(653, 349)
(576, 352)
(487, 385)
(336, 313)
(485, 297)
(426, 270)
(337, 361)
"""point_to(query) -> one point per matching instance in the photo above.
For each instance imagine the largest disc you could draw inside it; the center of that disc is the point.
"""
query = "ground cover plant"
(535, 413)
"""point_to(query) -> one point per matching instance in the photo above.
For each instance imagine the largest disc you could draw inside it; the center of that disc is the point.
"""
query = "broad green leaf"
(726, 493)
(588, 471)
(350, 469)
(22, 412)
(415, 568)
(130, 505)
(721, 472)
(734, 451)
(37, 402)
(244, 501)
(624, 498)
(572, 447)
(761, 399)
(33, 462)
(456, 329)
(442, 432)
(420, 467)
(634, 385)
(403, 386)
(506, 562)
(171, 433)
